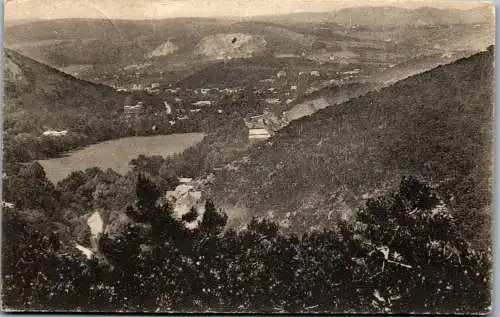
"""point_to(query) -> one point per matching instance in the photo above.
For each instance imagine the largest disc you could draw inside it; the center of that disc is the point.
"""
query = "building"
(133, 112)
(258, 134)
(352, 72)
(172, 91)
(273, 101)
(315, 73)
(137, 87)
(185, 180)
(55, 133)
(281, 74)
(7, 205)
(262, 127)
(202, 103)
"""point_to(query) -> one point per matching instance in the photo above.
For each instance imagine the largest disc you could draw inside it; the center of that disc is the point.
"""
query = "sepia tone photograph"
(262, 156)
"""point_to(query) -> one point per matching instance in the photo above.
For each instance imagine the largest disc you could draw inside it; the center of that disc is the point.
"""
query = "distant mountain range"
(435, 125)
(61, 43)
(389, 16)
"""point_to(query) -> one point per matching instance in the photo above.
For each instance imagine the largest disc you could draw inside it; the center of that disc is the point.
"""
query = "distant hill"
(99, 50)
(390, 16)
(47, 113)
(38, 98)
(337, 94)
(237, 72)
(36, 87)
(436, 125)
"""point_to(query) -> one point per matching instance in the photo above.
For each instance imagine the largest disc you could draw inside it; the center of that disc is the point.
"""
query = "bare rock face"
(164, 49)
(230, 45)
(184, 199)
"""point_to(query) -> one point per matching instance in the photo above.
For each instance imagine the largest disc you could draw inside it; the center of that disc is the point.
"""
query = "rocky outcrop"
(164, 49)
(230, 45)
(184, 199)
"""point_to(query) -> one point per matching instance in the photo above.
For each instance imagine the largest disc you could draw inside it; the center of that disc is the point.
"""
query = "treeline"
(24, 140)
(401, 254)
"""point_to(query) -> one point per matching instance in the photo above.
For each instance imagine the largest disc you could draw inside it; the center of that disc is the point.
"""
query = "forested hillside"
(39, 98)
(436, 125)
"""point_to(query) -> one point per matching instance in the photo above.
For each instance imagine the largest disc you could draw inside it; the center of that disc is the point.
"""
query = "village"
(277, 94)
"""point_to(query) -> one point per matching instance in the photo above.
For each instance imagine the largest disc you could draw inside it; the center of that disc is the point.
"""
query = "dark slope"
(237, 72)
(436, 125)
(39, 98)
(37, 87)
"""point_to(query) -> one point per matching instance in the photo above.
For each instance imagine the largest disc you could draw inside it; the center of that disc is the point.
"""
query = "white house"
(272, 101)
(185, 180)
(202, 103)
(352, 72)
(7, 205)
(258, 134)
(137, 87)
(55, 133)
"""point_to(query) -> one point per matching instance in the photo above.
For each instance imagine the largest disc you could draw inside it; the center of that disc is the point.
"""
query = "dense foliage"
(409, 250)
(39, 98)
(401, 254)
(436, 125)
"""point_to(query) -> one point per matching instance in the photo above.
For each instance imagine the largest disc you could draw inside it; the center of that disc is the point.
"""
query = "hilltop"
(435, 125)
(389, 16)
(107, 51)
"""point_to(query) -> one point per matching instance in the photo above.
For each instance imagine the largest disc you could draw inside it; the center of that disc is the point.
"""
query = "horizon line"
(484, 4)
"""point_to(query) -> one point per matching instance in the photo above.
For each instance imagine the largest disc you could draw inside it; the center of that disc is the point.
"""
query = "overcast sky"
(156, 9)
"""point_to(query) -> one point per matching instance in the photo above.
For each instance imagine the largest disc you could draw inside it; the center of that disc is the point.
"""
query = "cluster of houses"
(132, 112)
(275, 92)
(263, 126)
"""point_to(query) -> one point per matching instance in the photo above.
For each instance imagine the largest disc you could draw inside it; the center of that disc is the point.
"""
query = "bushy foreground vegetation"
(402, 254)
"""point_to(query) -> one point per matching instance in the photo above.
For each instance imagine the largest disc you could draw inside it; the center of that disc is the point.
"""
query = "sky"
(157, 9)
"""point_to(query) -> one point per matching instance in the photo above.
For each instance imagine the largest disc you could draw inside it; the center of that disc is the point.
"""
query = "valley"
(309, 162)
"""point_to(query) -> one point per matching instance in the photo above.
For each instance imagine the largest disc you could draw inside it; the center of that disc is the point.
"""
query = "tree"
(415, 257)
(30, 189)
(213, 222)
